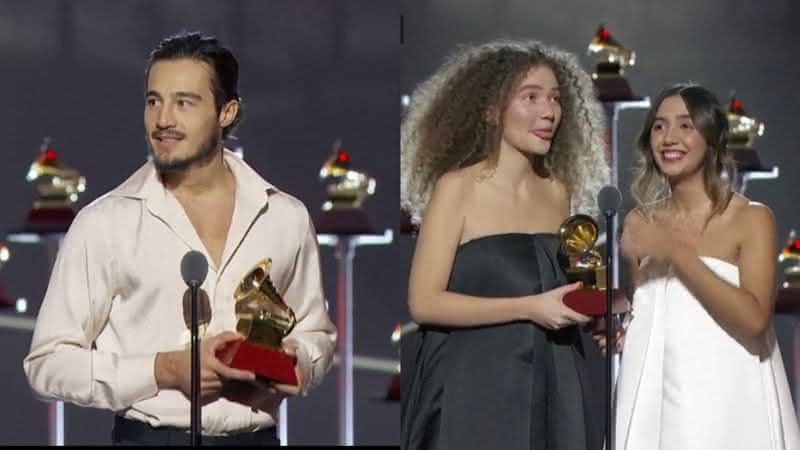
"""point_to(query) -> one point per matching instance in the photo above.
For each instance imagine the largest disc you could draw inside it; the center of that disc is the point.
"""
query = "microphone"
(194, 268)
(609, 199)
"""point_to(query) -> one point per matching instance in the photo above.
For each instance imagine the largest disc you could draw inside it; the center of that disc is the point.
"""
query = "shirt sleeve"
(314, 334)
(61, 363)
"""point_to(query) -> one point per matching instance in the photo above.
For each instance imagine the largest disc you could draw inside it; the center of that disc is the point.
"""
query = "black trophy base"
(343, 222)
(614, 89)
(48, 220)
(5, 300)
(591, 277)
(393, 391)
(406, 225)
(788, 300)
(747, 160)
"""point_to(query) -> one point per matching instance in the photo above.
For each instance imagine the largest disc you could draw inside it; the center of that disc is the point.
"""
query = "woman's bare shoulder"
(750, 215)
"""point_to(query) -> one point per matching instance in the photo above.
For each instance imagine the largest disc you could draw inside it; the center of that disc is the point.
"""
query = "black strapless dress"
(514, 386)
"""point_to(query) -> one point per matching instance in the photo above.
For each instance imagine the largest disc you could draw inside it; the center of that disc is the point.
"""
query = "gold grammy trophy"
(743, 130)
(791, 254)
(346, 190)
(58, 186)
(611, 60)
(264, 319)
(577, 238)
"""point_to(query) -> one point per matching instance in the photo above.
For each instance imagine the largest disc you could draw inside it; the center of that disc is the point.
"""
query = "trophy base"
(343, 222)
(5, 300)
(593, 278)
(272, 364)
(48, 220)
(747, 160)
(406, 226)
(592, 302)
(393, 392)
(788, 300)
(613, 89)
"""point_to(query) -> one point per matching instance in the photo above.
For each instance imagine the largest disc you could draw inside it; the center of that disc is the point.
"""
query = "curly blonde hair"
(445, 126)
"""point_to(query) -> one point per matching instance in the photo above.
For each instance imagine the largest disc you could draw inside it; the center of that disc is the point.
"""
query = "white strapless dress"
(685, 384)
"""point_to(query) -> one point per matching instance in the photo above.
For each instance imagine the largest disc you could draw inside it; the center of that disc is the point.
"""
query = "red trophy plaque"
(264, 319)
(578, 236)
(347, 189)
(58, 187)
(612, 58)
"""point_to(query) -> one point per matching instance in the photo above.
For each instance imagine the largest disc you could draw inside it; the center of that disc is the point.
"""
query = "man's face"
(181, 122)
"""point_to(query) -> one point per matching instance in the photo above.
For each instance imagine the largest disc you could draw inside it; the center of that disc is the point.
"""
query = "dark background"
(311, 72)
(749, 47)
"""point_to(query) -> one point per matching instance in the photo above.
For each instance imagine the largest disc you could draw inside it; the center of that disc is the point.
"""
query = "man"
(110, 332)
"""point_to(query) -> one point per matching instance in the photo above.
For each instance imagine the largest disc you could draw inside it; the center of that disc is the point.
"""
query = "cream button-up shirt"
(114, 298)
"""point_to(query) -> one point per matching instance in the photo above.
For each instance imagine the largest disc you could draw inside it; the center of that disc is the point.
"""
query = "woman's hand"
(548, 309)
(658, 241)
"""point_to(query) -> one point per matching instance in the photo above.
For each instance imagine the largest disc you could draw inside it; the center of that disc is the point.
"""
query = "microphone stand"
(609, 213)
(195, 420)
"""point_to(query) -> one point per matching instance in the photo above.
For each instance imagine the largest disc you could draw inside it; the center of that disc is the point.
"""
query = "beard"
(206, 151)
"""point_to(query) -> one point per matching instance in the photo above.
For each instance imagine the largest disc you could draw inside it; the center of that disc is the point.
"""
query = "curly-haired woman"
(499, 146)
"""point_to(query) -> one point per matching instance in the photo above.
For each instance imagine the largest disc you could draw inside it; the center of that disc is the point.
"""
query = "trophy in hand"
(743, 130)
(578, 236)
(58, 187)
(347, 190)
(611, 60)
(791, 254)
(264, 319)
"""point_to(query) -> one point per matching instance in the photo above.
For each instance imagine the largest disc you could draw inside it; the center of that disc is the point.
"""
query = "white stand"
(283, 427)
(744, 176)
(612, 110)
(345, 246)
(55, 409)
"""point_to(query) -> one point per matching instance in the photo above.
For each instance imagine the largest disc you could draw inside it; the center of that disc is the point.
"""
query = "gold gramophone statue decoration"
(791, 254)
(263, 319)
(581, 261)
(743, 130)
(346, 189)
(611, 60)
(577, 238)
(58, 187)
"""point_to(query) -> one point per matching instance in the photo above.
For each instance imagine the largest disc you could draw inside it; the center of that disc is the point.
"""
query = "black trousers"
(133, 432)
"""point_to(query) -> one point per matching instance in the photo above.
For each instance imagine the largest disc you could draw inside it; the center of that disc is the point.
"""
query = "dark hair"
(719, 168)
(225, 76)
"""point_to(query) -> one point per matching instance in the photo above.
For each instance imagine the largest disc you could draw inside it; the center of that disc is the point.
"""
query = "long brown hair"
(446, 126)
(719, 169)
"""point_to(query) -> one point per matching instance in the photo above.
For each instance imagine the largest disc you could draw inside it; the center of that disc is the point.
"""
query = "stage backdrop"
(311, 72)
